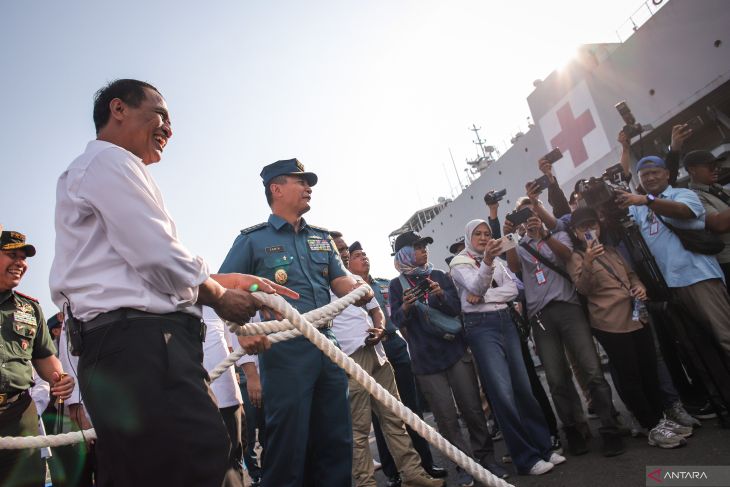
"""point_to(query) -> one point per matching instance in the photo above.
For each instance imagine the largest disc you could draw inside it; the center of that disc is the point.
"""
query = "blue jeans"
(495, 344)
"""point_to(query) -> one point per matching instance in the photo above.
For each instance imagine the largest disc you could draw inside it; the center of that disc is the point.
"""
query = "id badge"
(654, 228)
(540, 277)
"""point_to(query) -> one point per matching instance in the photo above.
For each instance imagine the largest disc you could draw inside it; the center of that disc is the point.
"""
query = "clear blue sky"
(370, 95)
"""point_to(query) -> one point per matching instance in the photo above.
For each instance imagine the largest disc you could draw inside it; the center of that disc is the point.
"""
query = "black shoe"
(576, 443)
(394, 481)
(497, 470)
(437, 472)
(705, 411)
(612, 445)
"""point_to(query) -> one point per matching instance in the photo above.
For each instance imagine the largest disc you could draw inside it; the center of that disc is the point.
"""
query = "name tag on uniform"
(319, 244)
(23, 317)
(274, 249)
(540, 277)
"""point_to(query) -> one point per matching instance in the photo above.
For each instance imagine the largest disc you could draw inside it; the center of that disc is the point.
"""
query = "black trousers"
(538, 390)
(24, 467)
(634, 360)
(406, 383)
(70, 465)
(147, 393)
(235, 422)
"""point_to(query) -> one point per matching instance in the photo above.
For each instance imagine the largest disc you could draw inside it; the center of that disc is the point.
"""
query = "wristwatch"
(548, 235)
(650, 199)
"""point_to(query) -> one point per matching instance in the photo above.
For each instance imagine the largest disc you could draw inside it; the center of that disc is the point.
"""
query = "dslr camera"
(631, 127)
(493, 197)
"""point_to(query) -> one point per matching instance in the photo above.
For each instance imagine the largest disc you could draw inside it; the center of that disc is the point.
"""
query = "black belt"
(12, 396)
(122, 314)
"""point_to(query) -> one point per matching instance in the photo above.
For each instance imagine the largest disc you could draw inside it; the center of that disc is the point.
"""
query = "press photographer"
(704, 171)
(695, 280)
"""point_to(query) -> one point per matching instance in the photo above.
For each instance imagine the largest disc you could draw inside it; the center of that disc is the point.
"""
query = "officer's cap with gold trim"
(287, 167)
(15, 240)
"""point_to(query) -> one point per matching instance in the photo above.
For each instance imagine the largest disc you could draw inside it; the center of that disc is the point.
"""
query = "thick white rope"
(352, 369)
(280, 331)
(302, 324)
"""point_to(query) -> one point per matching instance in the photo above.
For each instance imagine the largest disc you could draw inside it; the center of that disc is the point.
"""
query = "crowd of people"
(141, 324)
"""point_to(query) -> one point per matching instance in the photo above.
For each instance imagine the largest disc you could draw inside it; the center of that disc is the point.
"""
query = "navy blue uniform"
(308, 424)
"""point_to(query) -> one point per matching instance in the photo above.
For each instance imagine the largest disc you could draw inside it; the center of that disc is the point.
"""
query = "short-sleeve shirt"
(556, 287)
(305, 261)
(24, 337)
(679, 266)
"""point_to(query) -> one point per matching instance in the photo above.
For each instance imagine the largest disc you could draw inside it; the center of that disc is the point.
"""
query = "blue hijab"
(405, 263)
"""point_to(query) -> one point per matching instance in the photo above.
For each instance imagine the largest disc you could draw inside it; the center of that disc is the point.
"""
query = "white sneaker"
(676, 428)
(556, 459)
(665, 438)
(541, 467)
(679, 415)
(376, 465)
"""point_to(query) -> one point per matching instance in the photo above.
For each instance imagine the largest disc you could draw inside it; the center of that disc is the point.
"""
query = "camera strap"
(717, 193)
(610, 270)
(544, 261)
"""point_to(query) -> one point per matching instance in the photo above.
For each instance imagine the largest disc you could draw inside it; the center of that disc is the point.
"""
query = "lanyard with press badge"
(539, 272)
(654, 223)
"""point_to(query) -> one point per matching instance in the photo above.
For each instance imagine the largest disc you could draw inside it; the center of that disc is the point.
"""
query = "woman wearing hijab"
(442, 366)
(493, 339)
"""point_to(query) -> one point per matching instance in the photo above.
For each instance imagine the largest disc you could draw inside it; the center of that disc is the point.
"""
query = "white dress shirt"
(351, 328)
(116, 245)
(215, 350)
(477, 280)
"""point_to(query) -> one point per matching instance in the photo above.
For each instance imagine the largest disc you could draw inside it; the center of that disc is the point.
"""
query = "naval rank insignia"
(280, 276)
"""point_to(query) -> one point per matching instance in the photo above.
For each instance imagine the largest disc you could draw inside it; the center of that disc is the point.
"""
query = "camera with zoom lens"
(631, 127)
(600, 193)
(494, 197)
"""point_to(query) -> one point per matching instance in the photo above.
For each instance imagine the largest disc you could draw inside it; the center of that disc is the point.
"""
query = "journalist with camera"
(704, 171)
(664, 216)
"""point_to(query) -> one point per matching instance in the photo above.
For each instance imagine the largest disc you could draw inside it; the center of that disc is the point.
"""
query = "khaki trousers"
(394, 430)
(709, 304)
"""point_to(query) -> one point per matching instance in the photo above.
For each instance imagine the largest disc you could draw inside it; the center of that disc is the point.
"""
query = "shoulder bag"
(435, 322)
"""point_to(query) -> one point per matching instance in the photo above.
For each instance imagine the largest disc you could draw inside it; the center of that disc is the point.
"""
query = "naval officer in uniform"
(24, 343)
(308, 425)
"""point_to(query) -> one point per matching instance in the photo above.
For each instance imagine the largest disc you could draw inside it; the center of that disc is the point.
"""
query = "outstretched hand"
(251, 283)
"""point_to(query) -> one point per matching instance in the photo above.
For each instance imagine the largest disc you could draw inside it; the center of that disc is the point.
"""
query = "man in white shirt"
(359, 337)
(136, 291)
(216, 348)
